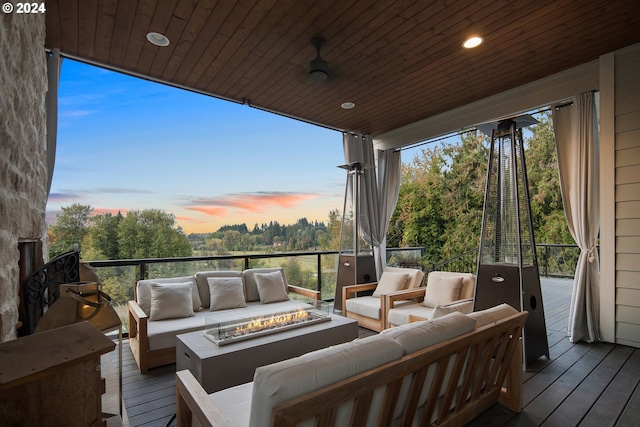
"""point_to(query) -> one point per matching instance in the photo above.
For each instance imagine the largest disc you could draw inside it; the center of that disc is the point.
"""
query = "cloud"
(66, 197)
(210, 210)
(252, 202)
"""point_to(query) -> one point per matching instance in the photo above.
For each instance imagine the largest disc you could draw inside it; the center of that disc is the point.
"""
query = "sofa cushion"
(226, 293)
(203, 285)
(442, 290)
(271, 287)
(234, 403)
(143, 292)
(171, 301)
(250, 285)
(418, 335)
(465, 307)
(415, 276)
(279, 382)
(399, 315)
(369, 306)
(492, 315)
(390, 282)
(163, 334)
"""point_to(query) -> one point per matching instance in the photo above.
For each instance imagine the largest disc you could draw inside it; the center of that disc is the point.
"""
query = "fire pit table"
(217, 367)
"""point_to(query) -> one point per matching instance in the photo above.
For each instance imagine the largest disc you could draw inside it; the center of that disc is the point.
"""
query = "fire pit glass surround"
(223, 333)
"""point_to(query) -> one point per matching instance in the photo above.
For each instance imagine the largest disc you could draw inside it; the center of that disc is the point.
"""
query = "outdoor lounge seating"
(369, 310)
(446, 371)
(445, 292)
(164, 308)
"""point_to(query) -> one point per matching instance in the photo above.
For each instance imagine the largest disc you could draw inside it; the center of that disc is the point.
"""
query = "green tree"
(70, 229)
(104, 236)
(464, 181)
(151, 233)
(419, 219)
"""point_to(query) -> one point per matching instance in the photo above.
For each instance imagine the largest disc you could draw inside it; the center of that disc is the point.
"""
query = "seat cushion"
(234, 403)
(279, 382)
(162, 333)
(369, 306)
(399, 315)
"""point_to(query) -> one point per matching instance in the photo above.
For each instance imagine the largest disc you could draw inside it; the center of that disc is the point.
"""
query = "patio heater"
(355, 258)
(507, 260)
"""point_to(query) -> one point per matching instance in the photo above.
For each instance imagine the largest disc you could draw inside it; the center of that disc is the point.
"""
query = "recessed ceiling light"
(472, 42)
(348, 105)
(158, 39)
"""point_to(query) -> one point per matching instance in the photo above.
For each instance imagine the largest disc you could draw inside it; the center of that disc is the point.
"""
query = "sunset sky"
(128, 144)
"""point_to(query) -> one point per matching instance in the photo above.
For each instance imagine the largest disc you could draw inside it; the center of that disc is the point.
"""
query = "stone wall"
(23, 177)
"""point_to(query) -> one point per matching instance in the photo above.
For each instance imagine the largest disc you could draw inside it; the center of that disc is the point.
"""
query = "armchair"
(369, 310)
(446, 291)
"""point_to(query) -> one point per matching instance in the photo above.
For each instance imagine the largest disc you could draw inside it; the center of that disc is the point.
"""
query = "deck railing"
(313, 269)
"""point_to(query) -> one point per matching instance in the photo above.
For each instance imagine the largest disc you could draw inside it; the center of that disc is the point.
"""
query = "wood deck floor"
(580, 385)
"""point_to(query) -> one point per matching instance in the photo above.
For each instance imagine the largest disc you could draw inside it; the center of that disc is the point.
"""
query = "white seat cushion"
(369, 306)
(399, 315)
(234, 403)
(162, 334)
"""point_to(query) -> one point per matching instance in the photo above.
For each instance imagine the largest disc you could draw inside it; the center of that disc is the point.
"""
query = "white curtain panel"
(378, 193)
(389, 168)
(54, 62)
(577, 147)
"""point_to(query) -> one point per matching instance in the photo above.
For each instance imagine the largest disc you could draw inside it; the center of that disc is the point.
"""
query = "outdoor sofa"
(167, 307)
(444, 371)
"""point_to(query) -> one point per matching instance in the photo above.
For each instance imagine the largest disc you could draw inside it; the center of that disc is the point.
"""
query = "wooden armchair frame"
(390, 298)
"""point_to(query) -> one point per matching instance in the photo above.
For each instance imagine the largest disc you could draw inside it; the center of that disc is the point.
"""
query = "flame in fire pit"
(261, 323)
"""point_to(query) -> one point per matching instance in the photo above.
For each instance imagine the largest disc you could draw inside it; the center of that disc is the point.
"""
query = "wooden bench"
(485, 368)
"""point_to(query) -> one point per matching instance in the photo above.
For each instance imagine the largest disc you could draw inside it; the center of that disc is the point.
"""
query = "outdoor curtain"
(54, 62)
(577, 146)
(378, 192)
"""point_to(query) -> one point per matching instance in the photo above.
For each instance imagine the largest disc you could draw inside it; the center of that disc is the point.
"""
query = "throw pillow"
(171, 301)
(442, 290)
(390, 282)
(226, 293)
(271, 287)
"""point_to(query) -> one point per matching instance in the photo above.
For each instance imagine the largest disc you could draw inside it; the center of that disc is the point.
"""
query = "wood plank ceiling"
(399, 61)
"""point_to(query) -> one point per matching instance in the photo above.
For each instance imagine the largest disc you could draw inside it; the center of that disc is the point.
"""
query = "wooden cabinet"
(53, 378)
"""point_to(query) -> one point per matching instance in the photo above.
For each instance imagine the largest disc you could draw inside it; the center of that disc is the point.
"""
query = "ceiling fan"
(318, 67)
